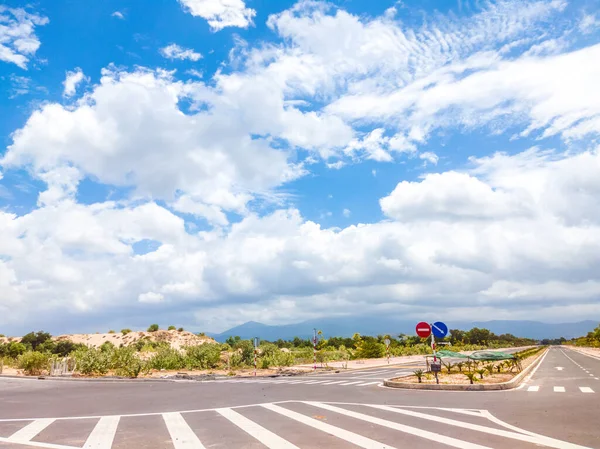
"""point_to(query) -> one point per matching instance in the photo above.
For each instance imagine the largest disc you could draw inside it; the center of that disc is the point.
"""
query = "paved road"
(278, 413)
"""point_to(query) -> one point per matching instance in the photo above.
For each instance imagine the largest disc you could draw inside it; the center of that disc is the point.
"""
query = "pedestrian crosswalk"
(315, 382)
(559, 389)
(280, 425)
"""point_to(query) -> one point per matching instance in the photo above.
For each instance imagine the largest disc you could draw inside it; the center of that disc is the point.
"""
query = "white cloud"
(151, 298)
(511, 233)
(18, 41)
(174, 51)
(72, 80)
(346, 213)
(221, 13)
(430, 157)
(118, 15)
(589, 23)
(196, 73)
(507, 233)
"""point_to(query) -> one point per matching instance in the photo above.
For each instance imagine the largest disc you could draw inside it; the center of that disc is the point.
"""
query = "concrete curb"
(513, 383)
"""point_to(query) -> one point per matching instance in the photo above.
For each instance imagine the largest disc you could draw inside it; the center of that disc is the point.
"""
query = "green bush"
(126, 362)
(125, 331)
(370, 349)
(235, 360)
(35, 339)
(12, 349)
(107, 347)
(203, 356)
(33, 363)
(153, 328)
(171, 328)
(65, 347)
(180, 329)
(92, 361)
(167, 358)
(111, 331)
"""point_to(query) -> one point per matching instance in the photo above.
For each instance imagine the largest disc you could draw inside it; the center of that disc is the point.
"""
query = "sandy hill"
(176, 339)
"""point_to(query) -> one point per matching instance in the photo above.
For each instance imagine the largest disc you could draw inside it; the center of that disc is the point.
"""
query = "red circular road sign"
(423, 329)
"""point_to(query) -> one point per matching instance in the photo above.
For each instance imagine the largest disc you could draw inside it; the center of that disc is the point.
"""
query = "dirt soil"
(457, 378)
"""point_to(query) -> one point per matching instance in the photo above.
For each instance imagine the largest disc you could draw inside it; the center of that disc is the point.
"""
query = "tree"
(233, 341)
(171, 328)
(153, 328)
(35, 339)
(125, 331)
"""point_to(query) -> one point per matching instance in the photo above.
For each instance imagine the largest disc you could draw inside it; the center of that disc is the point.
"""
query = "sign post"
(255, 353)
(387, 348)
(314, 349)
(439, 330)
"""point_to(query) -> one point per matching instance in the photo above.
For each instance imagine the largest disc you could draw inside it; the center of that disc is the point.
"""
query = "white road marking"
(266, 437)
(586, 390)
(36, 444)
(535, 439)
(336, 382)
(369, 383)
(182, 436)
(454, 442)
(31, 430)
(353, 383)
(559, 389)
(103, 434)
(534, 388)
(560, 368)
(345, 435)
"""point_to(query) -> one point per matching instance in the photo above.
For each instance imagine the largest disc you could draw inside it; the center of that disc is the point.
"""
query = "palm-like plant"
(499, 367)
(448, 366)
(460, 365)
(489, 368)
(419, 373)
(469, 364)
(481, 372)
(471, 377)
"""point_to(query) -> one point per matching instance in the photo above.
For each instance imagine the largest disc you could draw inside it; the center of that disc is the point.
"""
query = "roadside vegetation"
(592, 339)
(34, 352)
(473, 371)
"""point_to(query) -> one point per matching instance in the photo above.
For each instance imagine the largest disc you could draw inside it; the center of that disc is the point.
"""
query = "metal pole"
(433, 348)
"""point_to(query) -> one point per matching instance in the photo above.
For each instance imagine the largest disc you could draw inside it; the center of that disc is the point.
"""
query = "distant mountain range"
(347, 326)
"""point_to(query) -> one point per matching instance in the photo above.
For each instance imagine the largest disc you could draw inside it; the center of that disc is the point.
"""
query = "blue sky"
(212, 162)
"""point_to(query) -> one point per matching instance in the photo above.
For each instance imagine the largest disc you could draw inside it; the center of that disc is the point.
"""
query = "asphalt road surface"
(557, 407)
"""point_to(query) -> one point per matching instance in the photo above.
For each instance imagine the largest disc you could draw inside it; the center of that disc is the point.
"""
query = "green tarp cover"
(477, 355)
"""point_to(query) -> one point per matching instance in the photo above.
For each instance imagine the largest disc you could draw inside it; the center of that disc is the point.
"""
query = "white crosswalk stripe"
(289, 425)
(560, 389)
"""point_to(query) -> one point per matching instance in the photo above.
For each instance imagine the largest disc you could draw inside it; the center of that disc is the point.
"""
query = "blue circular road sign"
(439, 329)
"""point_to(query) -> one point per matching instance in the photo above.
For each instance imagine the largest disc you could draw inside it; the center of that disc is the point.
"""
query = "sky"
(204, 163)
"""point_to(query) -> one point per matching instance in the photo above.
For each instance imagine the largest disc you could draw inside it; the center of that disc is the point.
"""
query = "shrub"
(481, 372)
(235, 360)
(471, 377)
(167, 358)
(419, 373)
(14, 349)
(125, 331)
(180, 329)
(370, 349)
(35, 339)
(65, 347)
(126, 362)
(153, 328)
(171, 328)
(107, 347)
(111, 331)
(203, 356)
(92, 361)
(33, 363)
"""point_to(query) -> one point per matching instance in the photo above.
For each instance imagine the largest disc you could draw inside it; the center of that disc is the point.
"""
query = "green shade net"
(478, 355)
